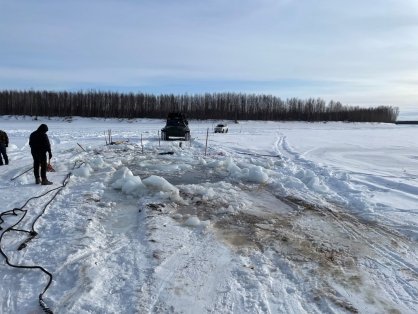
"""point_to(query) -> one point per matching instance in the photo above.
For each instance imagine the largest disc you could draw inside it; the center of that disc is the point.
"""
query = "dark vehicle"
(177, 127)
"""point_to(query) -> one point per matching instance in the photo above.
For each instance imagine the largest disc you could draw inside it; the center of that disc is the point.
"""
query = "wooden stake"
(110, 135)
(206, 146)
(81, 147)
(142, 146)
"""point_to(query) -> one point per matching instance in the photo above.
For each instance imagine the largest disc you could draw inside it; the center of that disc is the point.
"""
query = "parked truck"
(177, 127)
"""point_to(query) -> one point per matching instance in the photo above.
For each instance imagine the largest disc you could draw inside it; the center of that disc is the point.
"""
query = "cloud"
(356, 51)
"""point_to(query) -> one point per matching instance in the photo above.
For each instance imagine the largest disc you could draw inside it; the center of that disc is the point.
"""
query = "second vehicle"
(221, 128)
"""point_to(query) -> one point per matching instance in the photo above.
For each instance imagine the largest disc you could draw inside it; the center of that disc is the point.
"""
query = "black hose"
(32, 234)
(43, 305)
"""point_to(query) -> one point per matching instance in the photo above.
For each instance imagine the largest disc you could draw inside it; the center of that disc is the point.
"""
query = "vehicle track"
(382, 246)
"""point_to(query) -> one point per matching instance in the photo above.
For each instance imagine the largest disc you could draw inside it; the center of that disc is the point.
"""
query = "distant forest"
(223, 106)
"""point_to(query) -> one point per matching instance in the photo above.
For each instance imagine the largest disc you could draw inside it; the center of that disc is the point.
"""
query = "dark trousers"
(39, 160)
(4, 154)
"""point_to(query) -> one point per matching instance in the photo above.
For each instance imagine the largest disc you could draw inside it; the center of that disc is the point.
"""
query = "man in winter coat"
(4, 142)
(39, 146)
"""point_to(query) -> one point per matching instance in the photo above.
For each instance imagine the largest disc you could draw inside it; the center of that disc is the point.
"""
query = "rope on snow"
(32, 234)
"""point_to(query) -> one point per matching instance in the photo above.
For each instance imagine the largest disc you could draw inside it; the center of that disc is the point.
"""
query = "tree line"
(224, 106)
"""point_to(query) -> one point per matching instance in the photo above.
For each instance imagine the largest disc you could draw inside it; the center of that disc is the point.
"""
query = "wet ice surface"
(196, 174)
(254, 219)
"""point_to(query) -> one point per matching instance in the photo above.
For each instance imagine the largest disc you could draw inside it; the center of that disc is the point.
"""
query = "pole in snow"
(142, 146)
(207, 135)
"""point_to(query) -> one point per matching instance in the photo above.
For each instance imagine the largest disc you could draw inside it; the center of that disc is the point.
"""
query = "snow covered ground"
(274, 218)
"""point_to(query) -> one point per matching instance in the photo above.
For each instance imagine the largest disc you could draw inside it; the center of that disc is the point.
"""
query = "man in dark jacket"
(4, 142)
(39, 146)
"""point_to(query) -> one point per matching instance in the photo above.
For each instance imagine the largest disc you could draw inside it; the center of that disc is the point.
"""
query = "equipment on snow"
(49, 167)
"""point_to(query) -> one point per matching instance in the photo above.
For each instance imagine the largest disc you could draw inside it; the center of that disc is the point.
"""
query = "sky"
(357, 52)
(271, 217)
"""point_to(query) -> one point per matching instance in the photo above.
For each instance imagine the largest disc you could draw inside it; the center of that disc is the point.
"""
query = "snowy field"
(274, 218)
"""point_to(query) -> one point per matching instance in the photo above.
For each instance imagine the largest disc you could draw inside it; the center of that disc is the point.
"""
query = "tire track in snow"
(370, 234)
(319, 171)
(319, 182)
(183, 271)
(357, 192)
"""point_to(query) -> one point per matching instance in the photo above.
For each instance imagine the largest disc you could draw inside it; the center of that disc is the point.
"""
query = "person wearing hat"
(4, 142)
(40, 146)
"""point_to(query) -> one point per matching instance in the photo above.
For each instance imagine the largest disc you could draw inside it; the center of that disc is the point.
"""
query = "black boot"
(46, 182)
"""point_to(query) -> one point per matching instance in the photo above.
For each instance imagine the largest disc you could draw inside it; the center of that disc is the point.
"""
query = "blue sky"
(360, 52)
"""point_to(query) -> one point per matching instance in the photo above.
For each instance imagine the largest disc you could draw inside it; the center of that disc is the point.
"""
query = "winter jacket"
(38, 140)
(4, 138)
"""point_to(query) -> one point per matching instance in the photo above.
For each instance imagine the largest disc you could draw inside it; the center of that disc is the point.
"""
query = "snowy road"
(276, 218)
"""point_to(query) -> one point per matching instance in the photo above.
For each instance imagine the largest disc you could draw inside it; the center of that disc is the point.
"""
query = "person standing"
(40, 146)
(4, 142)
